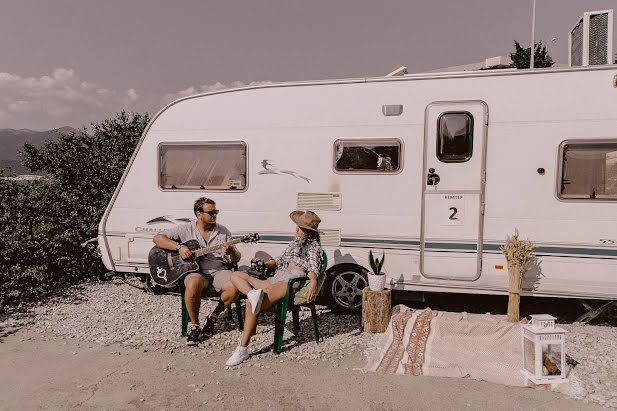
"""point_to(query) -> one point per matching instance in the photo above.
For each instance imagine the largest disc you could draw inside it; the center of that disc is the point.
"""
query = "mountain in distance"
(11, 141)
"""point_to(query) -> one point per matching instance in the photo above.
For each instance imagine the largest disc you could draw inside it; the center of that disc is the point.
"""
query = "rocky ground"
(594, 378)
(107, 313)
(112, 319)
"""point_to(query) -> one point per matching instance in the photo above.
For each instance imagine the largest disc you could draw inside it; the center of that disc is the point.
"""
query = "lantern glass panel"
(530, 356)
(551, 359)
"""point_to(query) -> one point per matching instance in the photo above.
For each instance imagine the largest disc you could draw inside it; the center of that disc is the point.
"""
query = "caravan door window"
(588, 170)
(202, 166)
(370, 155)
(454, 137)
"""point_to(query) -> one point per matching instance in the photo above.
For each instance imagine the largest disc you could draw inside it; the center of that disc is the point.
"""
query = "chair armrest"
(291, 283)
(300, 295)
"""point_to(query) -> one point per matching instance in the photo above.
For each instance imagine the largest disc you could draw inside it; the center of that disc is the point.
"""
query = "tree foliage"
(43, 222)
(521, 56)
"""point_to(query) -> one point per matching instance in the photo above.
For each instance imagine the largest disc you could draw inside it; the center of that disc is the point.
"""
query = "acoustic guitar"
(167, 267)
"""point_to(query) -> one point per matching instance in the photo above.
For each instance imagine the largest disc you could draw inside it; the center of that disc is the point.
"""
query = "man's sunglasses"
(212, 212)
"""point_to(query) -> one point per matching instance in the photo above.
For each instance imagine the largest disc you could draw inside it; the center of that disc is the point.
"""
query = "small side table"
(376, 310)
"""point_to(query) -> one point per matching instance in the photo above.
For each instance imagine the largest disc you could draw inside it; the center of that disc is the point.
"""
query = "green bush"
(43, 222)
(521, 58)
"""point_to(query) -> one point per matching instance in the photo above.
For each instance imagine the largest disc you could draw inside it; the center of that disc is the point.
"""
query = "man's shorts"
(216, 279)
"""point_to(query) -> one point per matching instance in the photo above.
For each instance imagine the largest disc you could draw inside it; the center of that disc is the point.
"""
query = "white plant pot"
(376, 282)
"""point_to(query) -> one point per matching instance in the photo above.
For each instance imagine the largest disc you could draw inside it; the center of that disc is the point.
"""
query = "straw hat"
(305, 219)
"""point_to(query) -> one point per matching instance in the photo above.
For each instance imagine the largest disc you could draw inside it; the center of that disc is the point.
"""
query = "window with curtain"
(202, 166)
(588, 170)
(372, 155)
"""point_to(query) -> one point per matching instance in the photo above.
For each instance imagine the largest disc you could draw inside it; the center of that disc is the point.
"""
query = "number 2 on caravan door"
(455, 209)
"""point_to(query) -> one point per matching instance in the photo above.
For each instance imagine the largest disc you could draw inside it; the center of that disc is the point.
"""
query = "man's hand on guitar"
(226, 249)
(232, 252)
(185, 252)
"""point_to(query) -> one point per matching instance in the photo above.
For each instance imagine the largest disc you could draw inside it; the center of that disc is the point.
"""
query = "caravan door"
(453, 190)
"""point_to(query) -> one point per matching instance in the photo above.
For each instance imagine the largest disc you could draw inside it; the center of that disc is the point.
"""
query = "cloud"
(132, 95)
(61, 98)
(208, 88)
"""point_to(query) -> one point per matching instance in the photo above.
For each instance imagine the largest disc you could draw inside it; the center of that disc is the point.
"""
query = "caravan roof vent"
(319, 201)
(401, 71)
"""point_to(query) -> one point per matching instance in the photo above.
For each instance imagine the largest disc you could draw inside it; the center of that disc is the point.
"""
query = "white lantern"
(544, 356)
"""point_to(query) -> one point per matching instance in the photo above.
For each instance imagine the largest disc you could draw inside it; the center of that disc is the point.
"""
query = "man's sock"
(218, 311)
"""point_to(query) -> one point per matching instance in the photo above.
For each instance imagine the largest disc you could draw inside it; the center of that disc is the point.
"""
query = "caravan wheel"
(344, 289)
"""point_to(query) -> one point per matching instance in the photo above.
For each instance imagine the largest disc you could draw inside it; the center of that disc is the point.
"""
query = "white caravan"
(434, 169)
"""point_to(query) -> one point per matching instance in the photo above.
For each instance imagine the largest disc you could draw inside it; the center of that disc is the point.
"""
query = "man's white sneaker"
(255, 297)
(239, 356)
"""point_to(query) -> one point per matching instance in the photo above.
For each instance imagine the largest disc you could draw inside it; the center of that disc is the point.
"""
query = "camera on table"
(257, 268)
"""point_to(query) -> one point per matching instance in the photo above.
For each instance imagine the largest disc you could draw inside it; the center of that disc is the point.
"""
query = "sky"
(74, 62)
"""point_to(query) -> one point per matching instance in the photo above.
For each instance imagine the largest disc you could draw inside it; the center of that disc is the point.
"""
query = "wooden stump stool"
(376, 310)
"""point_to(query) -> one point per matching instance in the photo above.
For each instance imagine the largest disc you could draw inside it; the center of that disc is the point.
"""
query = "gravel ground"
(594, 378)
(112, 312)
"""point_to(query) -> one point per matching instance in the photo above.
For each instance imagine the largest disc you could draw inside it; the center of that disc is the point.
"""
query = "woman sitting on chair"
(302, 257)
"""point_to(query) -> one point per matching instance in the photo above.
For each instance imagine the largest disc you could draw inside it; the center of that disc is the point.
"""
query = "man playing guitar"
(213, 270)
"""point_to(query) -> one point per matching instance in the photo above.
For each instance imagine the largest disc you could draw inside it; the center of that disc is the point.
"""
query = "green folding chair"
(293, 302)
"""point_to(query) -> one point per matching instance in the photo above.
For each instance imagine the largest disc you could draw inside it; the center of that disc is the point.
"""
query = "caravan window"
(455, 137)
(588, 170)
(203, 166)
(374, 155)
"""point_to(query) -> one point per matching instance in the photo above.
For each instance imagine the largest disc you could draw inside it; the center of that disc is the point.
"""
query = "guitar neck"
(204, 251)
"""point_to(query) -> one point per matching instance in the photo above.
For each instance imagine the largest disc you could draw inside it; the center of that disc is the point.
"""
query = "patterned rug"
(444, 344)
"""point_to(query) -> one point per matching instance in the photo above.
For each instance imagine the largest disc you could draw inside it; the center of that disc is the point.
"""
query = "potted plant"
(377, 279)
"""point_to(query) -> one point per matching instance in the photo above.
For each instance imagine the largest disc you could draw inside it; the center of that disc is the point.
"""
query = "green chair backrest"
(300, 297)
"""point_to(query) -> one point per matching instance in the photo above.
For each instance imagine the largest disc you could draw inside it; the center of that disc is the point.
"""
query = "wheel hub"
(347, 289)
